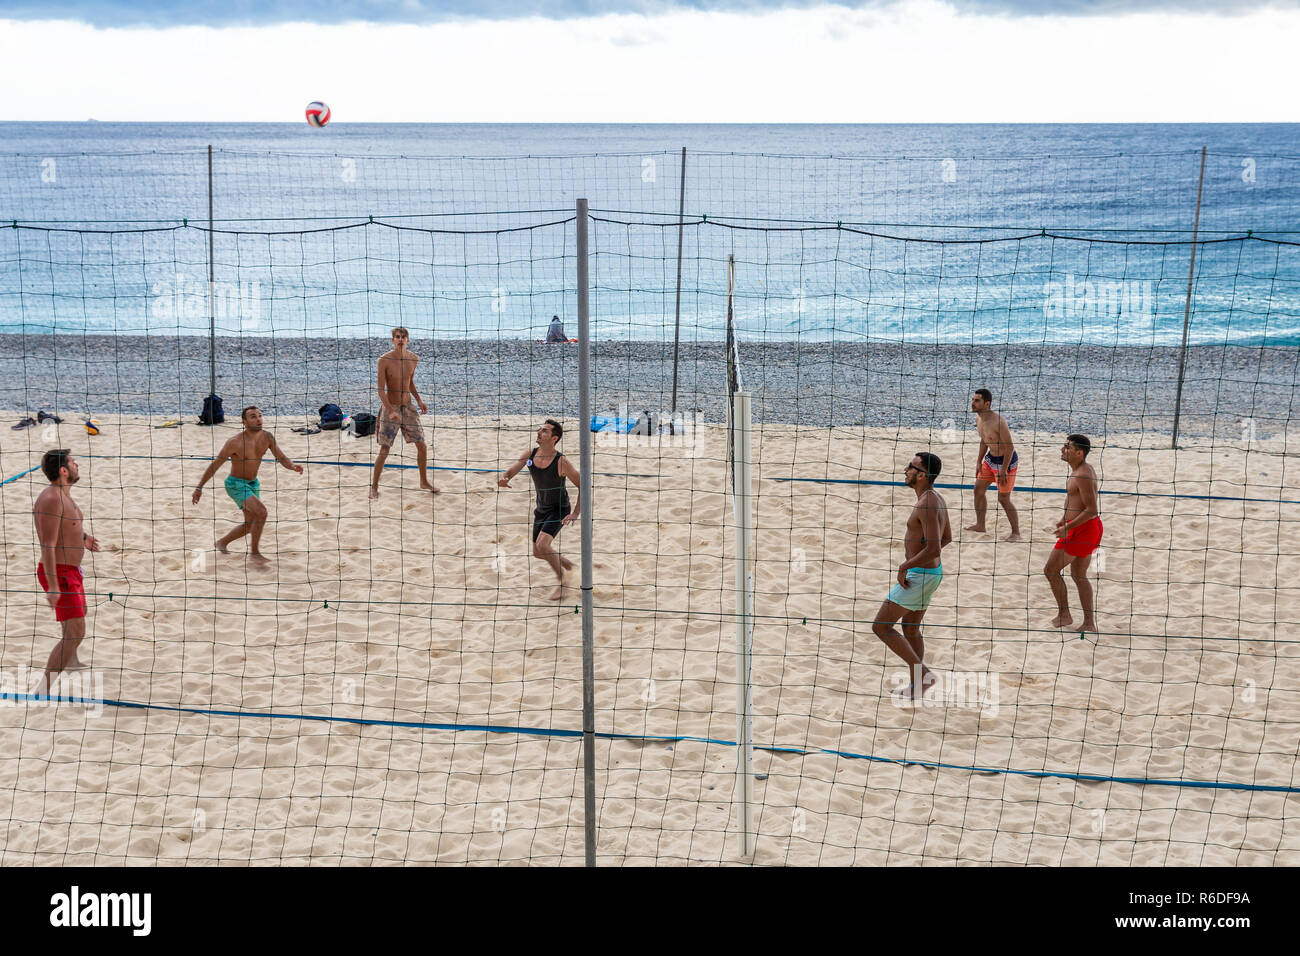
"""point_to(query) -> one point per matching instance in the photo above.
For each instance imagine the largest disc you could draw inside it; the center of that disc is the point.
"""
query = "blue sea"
(944, 233)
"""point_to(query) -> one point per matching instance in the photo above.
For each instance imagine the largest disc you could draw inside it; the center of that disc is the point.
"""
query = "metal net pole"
(584, 494)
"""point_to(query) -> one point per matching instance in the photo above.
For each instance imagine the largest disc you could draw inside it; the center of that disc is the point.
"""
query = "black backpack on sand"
(363, 424)
(212, 413)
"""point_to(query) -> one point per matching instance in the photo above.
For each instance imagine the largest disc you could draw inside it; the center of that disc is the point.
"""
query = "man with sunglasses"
(928, 532)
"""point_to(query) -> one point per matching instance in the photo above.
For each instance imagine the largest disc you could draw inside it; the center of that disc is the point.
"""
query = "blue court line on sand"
(551, 732)
(346, 464)
(1059, 491)
(21, 474)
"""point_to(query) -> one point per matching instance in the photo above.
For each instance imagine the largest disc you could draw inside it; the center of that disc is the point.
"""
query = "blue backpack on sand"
(331, 416)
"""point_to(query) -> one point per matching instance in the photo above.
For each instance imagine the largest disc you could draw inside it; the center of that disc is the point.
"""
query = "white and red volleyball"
(318, 114)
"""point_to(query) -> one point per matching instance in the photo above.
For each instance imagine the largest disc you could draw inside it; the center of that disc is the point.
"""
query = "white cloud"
(917, 61)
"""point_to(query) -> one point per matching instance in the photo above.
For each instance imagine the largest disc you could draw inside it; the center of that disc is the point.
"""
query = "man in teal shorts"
(240, 489)
(244, 452)
(928, 532)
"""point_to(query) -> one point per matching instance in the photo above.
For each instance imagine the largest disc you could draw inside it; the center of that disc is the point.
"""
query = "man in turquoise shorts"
(244, 452)
(928, 532)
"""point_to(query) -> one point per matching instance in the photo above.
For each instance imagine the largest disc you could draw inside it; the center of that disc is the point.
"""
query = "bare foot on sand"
(1062, 620)
(558, 592)
(908, 693)
(1089, 626)
(424, 485)
(374, 492)
(976, 527)
(221, 546)
(1014, 536)
(566, 564)
(259, 559)
(43, 684)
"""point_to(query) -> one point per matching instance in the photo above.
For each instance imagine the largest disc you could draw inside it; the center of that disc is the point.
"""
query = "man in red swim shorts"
(63, 544)
(1078, 535)
(997, 462)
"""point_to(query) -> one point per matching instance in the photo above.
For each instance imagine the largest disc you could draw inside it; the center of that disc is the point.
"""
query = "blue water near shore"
(1052, 234)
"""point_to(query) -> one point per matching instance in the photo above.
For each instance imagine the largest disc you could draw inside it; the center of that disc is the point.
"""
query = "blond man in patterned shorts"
(398, 399)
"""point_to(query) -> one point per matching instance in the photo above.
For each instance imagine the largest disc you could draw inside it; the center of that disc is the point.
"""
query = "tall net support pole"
(741, 425)
(742, 487)
(212, 292)
(1187, 305)
(584, 492)
(677, 321)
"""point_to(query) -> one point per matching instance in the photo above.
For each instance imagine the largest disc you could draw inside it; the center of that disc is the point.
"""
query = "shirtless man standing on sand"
(1078, 535)
(63, 544)
(396, 392)
(244, 452)
(548, 468)
(928, 532)
(998, 462)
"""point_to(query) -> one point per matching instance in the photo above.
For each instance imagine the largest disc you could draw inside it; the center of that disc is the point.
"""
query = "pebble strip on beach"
(1054, 388)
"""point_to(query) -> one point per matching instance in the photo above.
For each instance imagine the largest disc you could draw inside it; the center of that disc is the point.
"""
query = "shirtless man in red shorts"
(997, 464)
(63, 544)
(1078, 534)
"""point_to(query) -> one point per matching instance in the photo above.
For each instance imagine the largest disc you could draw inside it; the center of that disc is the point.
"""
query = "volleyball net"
(398, 685)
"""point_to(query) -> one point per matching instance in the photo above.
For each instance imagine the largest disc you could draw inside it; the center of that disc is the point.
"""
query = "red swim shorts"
(72, 596)
(1004, 478)
(1082, 540)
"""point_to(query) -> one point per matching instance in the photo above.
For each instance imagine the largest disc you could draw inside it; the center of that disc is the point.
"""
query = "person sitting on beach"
(397, 391)
(928, 532)
(998, 462)
(556, 332)
(63, 544)
(548, 468)
(1078, 535)
(244, 452)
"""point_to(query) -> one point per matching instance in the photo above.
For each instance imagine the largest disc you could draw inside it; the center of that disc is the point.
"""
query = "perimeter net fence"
(401, 683)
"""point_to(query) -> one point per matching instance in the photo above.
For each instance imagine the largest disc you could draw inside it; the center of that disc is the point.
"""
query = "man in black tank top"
(548, 468)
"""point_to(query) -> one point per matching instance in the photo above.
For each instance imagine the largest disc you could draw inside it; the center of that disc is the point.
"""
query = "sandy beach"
(431, 610)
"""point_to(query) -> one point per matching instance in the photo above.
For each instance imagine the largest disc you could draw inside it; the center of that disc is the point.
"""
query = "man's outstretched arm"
(282, 458)
(222, 457)
(516, 468)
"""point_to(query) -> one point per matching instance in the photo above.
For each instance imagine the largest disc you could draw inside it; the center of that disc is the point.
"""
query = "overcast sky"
(698, 61)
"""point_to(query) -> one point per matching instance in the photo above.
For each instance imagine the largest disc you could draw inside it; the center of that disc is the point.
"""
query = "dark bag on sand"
(212, 413)
(331, 416)
(364, 424)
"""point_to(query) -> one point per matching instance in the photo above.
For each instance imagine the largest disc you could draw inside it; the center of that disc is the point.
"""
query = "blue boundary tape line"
(1031, 488)
(552, 732)
(346, 464)
(21, 474)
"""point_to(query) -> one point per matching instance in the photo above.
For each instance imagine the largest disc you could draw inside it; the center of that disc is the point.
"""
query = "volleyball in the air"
(318, 114)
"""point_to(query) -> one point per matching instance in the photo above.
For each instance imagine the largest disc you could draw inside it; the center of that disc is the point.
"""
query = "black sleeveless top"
(552, 495)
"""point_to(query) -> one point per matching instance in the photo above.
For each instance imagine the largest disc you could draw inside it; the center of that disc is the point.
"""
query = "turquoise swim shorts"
(241, 489)
(921, 585)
